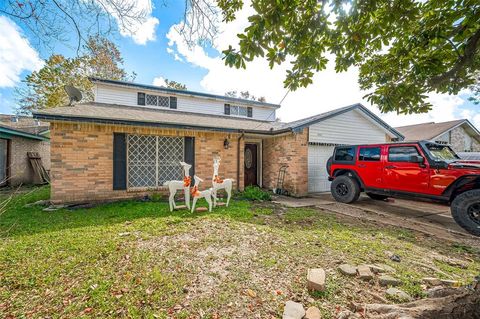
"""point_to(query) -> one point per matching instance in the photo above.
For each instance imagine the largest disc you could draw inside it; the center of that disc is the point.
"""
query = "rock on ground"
(316, 279)
(398, 294)
(431, 281)
(386, 280)
(347, 269)
(313, 313)
(364, 272)
(384, 268)
(293, 310)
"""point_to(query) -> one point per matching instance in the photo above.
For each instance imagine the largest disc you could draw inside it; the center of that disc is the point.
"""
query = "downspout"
(238, 160)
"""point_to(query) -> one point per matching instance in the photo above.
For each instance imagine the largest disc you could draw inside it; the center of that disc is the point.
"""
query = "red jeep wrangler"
(418, 170)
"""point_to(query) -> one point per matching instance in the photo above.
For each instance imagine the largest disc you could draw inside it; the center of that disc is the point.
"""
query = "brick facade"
(82, 159)
(457, 140)
(21, 171)
(291, 150)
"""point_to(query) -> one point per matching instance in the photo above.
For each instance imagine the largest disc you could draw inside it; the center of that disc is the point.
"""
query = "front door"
(250, 159)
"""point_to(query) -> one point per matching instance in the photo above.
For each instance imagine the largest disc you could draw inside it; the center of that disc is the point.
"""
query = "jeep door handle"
(362, 165)
(390, 167)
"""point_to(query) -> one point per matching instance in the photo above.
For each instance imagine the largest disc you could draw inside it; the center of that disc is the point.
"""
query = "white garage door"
(317, 171)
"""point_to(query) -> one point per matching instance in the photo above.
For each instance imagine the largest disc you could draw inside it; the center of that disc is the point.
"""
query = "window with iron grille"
(157, 100)
(238, 110)
(153, 160)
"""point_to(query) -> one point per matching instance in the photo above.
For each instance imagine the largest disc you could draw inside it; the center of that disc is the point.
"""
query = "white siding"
(347, 128)
(318, 156)
(128, 96)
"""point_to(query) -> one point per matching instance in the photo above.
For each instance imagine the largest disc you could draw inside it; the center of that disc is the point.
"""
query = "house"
(461, 135)
(19, 135)
(129, 141)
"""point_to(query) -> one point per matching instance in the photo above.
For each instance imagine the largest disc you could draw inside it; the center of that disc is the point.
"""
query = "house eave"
(61, 118)
(6, 132)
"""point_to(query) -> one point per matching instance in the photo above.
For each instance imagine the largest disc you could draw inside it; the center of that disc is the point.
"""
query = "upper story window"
(245, 111)
(369, 154)
(156, 100)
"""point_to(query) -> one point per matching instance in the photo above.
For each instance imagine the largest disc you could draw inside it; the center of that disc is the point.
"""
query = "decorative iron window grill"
(153, 160)
(238, 110)
(157, 100)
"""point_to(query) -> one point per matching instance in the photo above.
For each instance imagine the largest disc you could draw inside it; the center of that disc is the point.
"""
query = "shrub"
(256, 193)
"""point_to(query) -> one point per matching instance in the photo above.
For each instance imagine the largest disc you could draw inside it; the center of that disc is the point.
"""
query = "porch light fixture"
(226, 144)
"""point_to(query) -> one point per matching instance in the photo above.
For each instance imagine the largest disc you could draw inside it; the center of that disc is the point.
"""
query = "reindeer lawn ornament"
(219, 183)
(207, 194)
(174, 186)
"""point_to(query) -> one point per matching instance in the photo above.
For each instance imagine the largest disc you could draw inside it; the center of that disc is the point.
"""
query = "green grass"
(137, 259)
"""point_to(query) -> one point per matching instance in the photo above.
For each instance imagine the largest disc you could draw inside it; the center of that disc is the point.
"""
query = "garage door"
(317, 171)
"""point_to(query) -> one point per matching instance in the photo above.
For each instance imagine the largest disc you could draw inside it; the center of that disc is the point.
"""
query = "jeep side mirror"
(416, 159)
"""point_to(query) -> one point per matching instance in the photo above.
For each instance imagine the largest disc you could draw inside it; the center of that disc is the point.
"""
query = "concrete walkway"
(431, 219)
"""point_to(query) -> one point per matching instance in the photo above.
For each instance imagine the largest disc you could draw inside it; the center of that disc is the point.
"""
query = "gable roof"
(325, 116)
(183, 92)
(432, 130)
(129, 115)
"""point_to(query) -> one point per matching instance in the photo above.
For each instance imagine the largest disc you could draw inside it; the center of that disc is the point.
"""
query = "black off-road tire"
(345, 189)
(377, 196)
(465, 210)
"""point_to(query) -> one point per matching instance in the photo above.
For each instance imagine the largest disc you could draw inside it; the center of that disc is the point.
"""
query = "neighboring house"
(19, 135)
(461, 135)
(131, 139)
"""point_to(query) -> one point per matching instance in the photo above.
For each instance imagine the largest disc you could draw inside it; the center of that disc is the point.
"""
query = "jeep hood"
(465, 164)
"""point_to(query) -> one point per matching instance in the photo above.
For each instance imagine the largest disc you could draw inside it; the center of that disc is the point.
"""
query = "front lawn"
(136, 259)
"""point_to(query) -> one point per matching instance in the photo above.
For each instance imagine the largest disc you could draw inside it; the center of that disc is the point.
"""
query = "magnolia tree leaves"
(404, 49)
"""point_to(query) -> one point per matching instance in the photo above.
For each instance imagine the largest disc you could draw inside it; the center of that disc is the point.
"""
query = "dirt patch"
(246, 270)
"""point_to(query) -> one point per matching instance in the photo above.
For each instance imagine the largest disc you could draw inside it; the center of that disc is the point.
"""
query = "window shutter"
(173, 102)
(119, 161)
(227, 109)
(140, 98)
(249, 112)
(189, 153)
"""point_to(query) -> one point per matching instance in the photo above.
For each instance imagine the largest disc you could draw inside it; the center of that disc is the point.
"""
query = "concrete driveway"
(431, 219)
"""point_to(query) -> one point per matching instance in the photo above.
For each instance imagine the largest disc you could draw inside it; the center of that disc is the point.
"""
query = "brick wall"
(82, 159)
(457, 140)
(291, 150)
(21, 171)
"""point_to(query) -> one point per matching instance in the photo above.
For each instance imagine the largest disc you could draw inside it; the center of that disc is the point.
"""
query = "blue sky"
(163, 54)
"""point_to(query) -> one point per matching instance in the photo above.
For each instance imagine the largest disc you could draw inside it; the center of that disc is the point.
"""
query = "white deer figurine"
(219, 183)
(207, 194)
(174, 186)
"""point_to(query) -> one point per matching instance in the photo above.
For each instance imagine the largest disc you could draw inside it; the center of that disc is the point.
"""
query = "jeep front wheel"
(345, 189)
(466, 211)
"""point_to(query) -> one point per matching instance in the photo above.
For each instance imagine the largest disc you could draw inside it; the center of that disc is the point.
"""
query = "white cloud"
(329, 90)
(472, 116)
(159, 81)
(140, 31)
(16, 54)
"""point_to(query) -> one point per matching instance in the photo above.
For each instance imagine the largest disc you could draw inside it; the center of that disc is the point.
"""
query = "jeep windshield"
(442, 153)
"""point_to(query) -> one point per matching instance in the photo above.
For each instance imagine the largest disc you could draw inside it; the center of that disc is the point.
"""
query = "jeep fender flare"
(462, 184)
(350, 172)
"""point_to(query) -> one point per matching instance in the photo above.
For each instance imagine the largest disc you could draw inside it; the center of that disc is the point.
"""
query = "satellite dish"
(73, 93)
